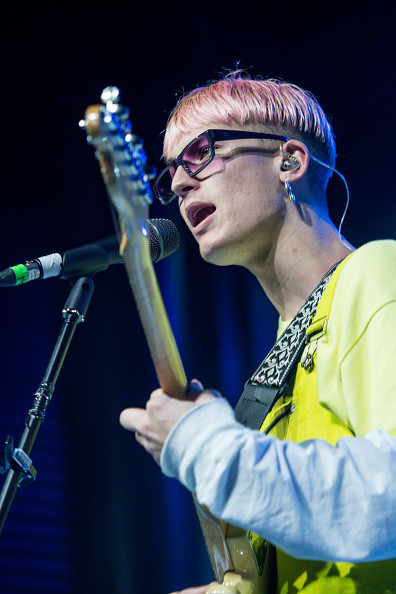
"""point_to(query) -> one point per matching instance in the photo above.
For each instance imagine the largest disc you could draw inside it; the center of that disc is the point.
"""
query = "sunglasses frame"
(212, 135)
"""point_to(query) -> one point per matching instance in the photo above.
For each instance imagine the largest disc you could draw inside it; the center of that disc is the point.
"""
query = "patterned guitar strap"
(269, 380)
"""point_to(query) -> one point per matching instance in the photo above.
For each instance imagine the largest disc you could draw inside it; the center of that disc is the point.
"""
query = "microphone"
(91, 258)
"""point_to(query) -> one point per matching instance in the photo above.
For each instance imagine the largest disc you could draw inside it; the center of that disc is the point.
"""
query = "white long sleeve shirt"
(311, 499)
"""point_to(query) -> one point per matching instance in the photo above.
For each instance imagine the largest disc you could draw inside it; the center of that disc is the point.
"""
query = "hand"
(198, 590)
(162, 412)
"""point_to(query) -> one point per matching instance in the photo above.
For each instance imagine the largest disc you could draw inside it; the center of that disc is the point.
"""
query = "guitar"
(123, 165)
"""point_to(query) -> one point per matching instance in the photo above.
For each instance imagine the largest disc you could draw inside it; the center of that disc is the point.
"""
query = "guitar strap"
(269, 380)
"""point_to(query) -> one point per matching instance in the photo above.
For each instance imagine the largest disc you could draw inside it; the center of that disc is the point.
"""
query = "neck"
(296, 263)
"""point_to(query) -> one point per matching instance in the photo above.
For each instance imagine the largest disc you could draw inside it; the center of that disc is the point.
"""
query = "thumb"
(195, 391)
(194, 386)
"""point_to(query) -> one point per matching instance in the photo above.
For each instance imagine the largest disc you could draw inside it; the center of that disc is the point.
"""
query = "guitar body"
(232, 556)
(123, 167)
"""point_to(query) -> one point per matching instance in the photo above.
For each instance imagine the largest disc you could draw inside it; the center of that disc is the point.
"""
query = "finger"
(157, 400)
(150, 446)
(197, 393)
(195, 386)
(194, 389)
(149, 443)
(207, 395)
(136, 419)
(139, 438)
(158, 393)
(197, 590)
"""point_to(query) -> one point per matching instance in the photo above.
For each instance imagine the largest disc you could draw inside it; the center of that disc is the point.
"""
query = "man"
(249, 162)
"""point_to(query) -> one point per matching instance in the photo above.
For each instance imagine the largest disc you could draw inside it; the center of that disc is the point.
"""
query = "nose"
(182, 182)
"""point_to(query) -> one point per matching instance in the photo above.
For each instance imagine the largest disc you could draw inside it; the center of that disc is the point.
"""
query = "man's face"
(235, 207)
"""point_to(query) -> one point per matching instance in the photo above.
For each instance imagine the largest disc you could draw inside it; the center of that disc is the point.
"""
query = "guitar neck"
(170, 374)
(154, 318)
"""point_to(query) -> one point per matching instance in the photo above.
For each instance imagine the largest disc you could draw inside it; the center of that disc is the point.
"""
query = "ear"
(298, 151)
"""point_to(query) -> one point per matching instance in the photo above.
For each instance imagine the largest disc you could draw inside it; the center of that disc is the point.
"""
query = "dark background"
(101, 517)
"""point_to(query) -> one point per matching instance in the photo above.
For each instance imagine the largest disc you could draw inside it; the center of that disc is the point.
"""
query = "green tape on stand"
(21, 273)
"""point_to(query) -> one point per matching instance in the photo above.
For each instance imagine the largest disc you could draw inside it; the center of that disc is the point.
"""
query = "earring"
(289, 191)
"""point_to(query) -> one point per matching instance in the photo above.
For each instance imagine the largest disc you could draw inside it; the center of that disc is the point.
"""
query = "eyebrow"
(170, 161)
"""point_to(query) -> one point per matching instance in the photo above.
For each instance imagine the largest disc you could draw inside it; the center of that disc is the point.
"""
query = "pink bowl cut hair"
(270, 105)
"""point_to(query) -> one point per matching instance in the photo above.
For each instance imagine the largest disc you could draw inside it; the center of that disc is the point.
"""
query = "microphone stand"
(16, 463)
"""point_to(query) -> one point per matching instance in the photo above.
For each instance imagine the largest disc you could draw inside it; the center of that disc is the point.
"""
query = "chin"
(220, 255)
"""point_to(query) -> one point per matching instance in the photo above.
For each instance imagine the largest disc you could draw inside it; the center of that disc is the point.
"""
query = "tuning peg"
(110, 94)
(149, 171)
(110, 97)
(135, 141)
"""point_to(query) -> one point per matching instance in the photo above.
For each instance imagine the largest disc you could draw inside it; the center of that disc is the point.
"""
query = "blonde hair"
(277, 106)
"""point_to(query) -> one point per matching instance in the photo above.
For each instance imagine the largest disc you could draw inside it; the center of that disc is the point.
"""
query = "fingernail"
(195, 385)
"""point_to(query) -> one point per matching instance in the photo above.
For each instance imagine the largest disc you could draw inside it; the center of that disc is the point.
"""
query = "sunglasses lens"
(163, 186)
(195, 156)
(198, 153)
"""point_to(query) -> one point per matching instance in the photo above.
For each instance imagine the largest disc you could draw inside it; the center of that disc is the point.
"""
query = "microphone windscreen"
(163, 238)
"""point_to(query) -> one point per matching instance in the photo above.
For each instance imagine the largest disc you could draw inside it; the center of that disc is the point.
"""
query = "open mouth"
(198, 213)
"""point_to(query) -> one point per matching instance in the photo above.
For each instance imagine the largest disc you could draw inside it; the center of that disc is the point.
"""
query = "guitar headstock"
(123, 163)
